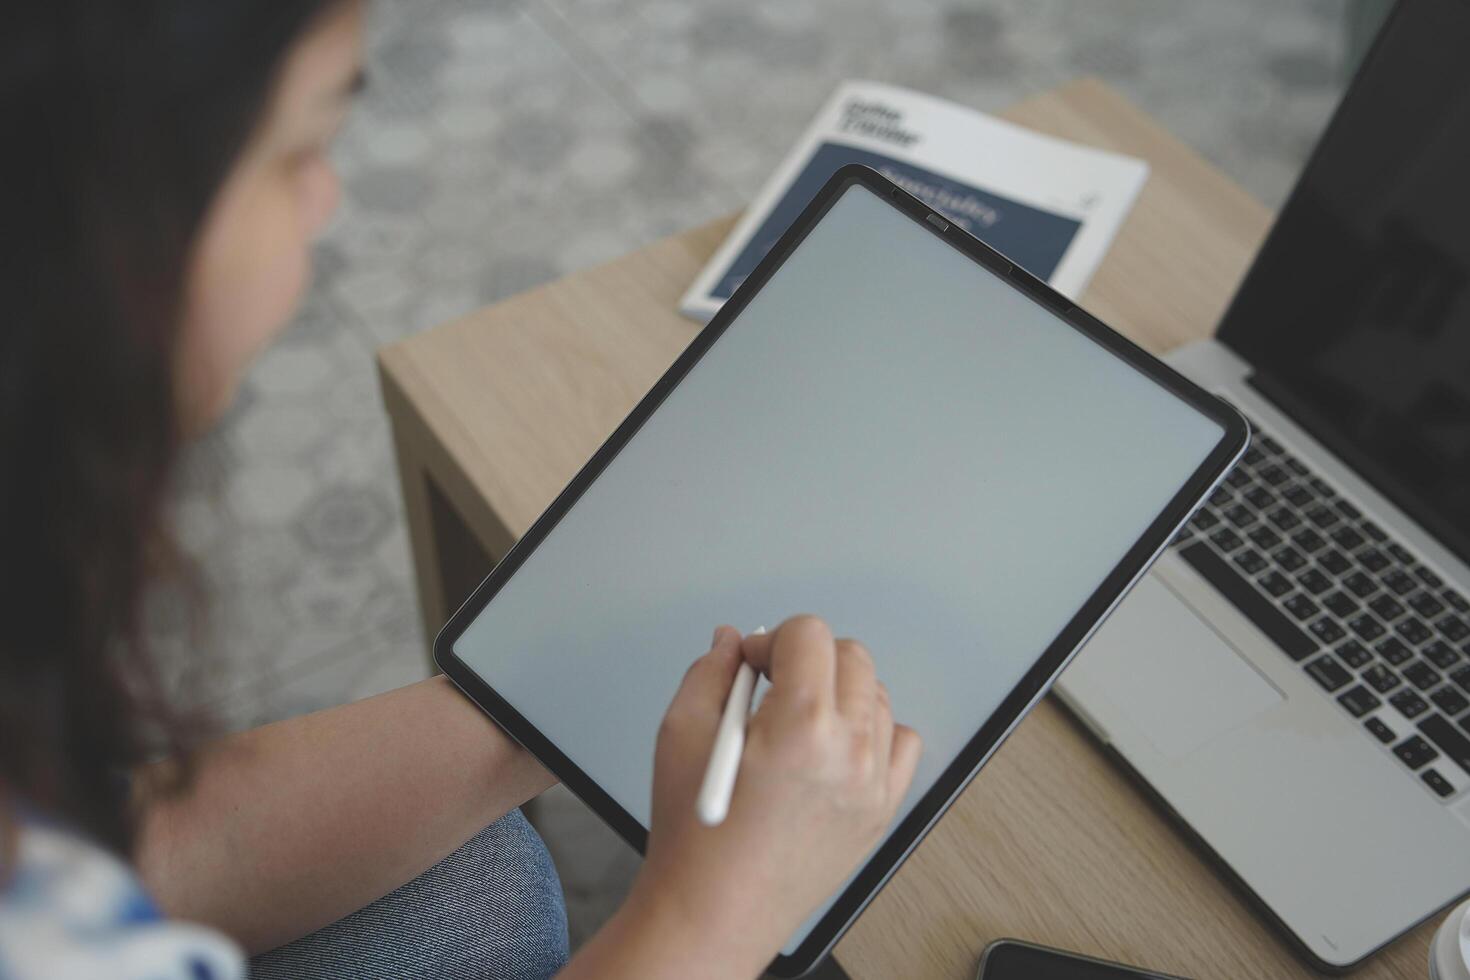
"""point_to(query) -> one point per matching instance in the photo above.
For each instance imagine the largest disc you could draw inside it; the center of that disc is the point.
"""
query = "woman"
(167, 171)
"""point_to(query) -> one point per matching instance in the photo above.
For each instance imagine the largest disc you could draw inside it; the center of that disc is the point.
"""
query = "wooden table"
(493, 413)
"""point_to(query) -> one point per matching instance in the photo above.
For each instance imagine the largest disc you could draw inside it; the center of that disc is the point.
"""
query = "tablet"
(891, 426)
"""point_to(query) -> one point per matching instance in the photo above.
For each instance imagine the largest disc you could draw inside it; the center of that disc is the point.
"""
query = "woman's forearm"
(289, 827)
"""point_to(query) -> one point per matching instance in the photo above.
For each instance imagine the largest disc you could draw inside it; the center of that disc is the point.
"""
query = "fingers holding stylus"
(799, 657)
(882, 727)
(804, 661)
(903, 759)
(856, 684)
(807, 665)
(701, 697)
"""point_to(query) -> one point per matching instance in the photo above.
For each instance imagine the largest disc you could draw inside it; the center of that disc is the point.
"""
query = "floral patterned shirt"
(70, 910)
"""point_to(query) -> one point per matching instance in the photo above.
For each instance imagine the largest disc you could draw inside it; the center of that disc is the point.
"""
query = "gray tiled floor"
(502, 144)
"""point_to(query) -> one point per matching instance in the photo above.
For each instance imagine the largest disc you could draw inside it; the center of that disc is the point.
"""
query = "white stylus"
(713, 803)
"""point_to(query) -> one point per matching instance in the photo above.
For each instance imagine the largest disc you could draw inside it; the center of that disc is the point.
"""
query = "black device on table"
(1011, 959)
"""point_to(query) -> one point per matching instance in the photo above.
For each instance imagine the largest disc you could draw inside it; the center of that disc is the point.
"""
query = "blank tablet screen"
(890, 436)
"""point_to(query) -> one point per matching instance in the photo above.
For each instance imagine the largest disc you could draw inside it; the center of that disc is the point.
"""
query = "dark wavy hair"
(122, 120)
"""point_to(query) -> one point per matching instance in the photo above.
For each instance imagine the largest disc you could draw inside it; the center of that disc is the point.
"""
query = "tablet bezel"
(952, 781)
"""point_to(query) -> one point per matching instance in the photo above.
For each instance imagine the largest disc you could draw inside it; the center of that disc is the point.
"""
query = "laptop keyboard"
(1378, 631)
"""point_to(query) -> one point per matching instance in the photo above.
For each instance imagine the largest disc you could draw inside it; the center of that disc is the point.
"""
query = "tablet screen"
(890, 436)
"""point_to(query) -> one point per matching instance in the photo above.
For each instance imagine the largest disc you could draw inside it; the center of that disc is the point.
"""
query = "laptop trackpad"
(1178, 681)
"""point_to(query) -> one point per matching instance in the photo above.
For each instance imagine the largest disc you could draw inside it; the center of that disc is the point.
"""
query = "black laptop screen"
(1356, 313)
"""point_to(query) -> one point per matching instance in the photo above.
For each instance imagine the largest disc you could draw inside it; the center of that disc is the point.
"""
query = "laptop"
(1292, 680)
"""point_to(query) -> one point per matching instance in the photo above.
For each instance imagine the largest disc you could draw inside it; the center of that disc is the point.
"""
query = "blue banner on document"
(1034, 239)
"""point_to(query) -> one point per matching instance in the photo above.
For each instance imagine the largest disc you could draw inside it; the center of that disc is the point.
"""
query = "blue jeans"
(492, 909)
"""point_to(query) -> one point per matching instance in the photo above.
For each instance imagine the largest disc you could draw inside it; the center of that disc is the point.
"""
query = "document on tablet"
(888, 427)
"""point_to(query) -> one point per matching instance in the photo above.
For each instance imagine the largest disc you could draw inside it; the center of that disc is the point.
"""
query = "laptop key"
(1457, 602)
(1348, 510)
(1322, 486)
(1379, 730)
(1399, 582)
(1421, 675)
(1393, 650)
(1404, 555)
(1436, 782)
(1301, 607)
(1360, 585)
(1461, 676)
(1409, 703)
(1238, 478)
(1249, 560)
(1284, 518)
(1271, 445)
(1453, 627)
(1373, 531)
(1353, 653)
(1387, 607)
(1308, 540)
(1259, 497)
(1240, 515)
(1299, 495)
(1289, 558)
(1276, 584)
(1327, 630)
(1314, 581)
(1334, 561)
(1254, 606)
(1263, 537)
(1328, 672)
(1226, 539)
(1413, 630)
(1220, 497)
(1274, 475)
(1440, 653)
(1297, 466)
(1449, 700)
(1451, 741)
(1204, 519)
(1415, 752)
(1340, 604)
(1323, 517)
(1426, 605)
(1366, 627)
(1428, 578)
(1358, 700)
(1373, 560)
(1381, 679)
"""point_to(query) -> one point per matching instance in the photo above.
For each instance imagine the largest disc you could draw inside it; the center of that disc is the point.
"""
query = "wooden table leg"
(415, 481)
(463, 560)
(448, 559)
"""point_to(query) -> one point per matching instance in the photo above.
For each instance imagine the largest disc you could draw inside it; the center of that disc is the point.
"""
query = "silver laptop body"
(1292, 679)
(1343, 844)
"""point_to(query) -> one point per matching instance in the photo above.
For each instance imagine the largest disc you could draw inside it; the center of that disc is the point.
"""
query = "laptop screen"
(1356, 314)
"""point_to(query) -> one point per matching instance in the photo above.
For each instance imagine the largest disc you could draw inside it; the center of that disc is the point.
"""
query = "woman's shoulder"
(70, 909)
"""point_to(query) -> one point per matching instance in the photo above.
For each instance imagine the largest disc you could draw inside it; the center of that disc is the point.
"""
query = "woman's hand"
(823, 773)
